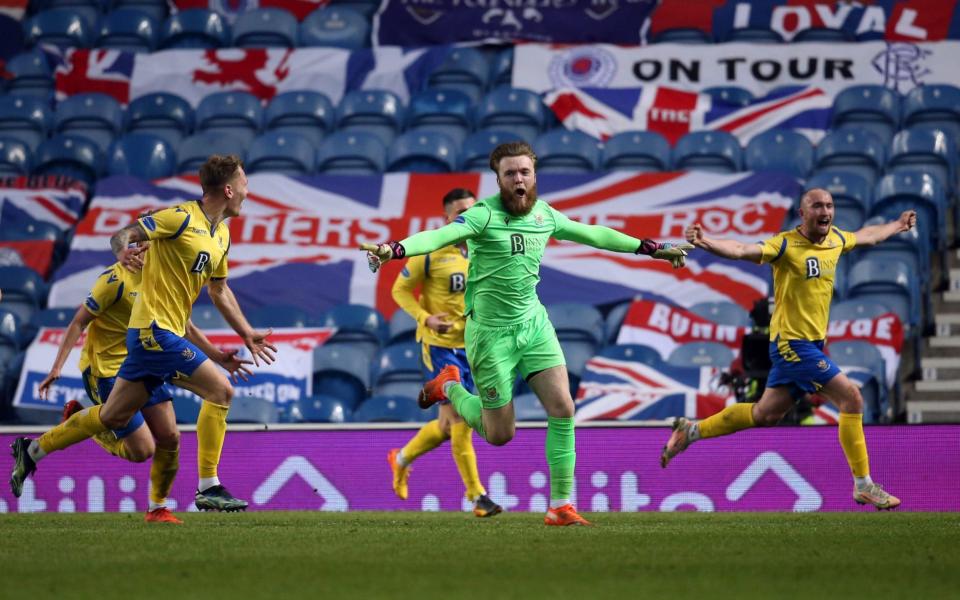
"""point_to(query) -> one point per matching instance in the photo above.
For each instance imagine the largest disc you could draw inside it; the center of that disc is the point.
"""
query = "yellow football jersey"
(110, 300)
(444, 277)
(184, 254)
(803, 274)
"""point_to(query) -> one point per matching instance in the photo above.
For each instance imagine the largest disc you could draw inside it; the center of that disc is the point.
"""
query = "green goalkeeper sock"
(468, 406)
(561, 456)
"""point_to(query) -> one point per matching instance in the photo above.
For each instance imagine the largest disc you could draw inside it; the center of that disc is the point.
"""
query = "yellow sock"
(109, 442)
(163, 471)
(80, 426)
(729, 420)
(854, 444)
(211, 430)
(429, 437)
(461, 446)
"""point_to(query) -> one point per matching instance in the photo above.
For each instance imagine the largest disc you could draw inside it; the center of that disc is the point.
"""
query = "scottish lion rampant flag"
(605, 112)
(296, 241)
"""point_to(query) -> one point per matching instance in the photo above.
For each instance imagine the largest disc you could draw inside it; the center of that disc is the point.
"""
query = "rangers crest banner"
(298, 236)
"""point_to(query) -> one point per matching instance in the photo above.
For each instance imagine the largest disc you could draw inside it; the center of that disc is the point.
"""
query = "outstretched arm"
(81, 319)
(466, 226)
(726, 248)
(874, 234)
(606, 238)
(256, 341)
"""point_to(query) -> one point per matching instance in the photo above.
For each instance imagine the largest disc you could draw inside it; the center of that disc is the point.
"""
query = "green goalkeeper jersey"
(505, 254)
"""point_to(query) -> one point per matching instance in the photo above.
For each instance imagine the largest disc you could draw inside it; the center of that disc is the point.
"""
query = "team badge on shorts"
(822, 365)
(188, 354)
(491, 393)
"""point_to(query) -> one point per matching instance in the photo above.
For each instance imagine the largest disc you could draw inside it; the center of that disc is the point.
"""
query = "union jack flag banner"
(296, 241)
(605, 112)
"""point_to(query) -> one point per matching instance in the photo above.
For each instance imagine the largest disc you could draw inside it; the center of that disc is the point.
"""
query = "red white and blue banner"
(893, 20)
(48, 198)
(264, 73)
(298, 236)
(231, 9)
(605, 112)
(417, 23)
(759, 68)
(285, 380)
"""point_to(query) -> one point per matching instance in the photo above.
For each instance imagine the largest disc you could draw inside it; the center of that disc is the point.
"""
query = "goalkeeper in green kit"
(507, 329)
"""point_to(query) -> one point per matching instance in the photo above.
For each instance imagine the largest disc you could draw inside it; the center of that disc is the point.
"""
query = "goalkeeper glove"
(675, 253)
(378, 254)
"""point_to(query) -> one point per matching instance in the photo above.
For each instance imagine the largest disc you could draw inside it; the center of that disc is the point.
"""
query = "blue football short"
(99, 388)
(436, 358)
(156, 356)
(800, 365)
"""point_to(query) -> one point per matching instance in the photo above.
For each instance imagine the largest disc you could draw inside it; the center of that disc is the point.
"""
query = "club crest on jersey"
(188, 354)
(822, 365)
(538, 219)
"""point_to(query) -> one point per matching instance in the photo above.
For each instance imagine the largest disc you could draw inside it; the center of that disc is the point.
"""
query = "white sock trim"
(448, 386)
(401, 459)
(207, 483)
(862, 482)
(559, 502)
(35, 451)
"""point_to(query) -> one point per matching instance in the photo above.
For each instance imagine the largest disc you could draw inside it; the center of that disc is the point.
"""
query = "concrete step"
(951, 296)
(931, 351)
(941, 385)
(947, 324)
(940, 368)
(933, 411)
(945, 341)
(954, 279)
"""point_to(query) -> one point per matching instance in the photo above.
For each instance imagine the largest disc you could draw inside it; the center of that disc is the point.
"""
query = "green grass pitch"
(445, 555)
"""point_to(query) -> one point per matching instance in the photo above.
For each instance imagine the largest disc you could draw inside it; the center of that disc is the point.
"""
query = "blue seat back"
(399, 362)
(527, 407)
(26, 119)
(849, 191)
(465, 70)
(924, 148)
(914, 190)
(716, 151)
(335, 27)
(613, 321)
(701, 354)
(96, 116)
(341, 370)
(501, 69)
(683, 35)
(73, 156)
(195, 28)
(265, 28)
(10, 325)
(403, 327)
(235, 112)
(575, 321)
(478, 146)
(936, 105)
(129, 29)
(859, 354)
(15, 156)
(142, 155)
(888, 282)
(281, 152)
(512, 109)
(638, 151)
(780, 150)
(389, 409)
(754, 35)
(822, 34)
(851, 150)
(195, 149)
(251, 409)
(357, 321)
(873, 107)
(319, 409)
(31, 64)
(306, 112)
(376, 111)
(62, 27)
(166, 115)
(157, 9)
(278, 315)
(562, 151)
(856, 309)
(205, 316)
(424, 152)
(633, 352)
(723, 313)
(441, 110)
(352, 153)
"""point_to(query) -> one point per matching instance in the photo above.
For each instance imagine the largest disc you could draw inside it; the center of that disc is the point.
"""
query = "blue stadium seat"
(576, 353)
(822, 34)
(577, 322)
(156, 9)
(723, 313)
(637, 151)
(874, 108)
(166, 115)
(851, 193)
(635, 353)
(90, 10)
(729, 94)
(914, 190)
(683, 35)
(407, 389)
(367, 8)
(399, 362)
(865, 356)
(442, 110)
(342, 371)
(187, 408)
(52, 317)
(934, 105)
(390, 409)
(24, 292)
(501, 70)
(780, 150)
(527, 407)
(31, 74)
(250, 409)
(613, 320)
(206, 316)
(142, 155)
(320, 408)
(10, 326)
(926, 149)
(352, 153)
(907, 248)
(357, 324)
(195, 149)
(305, 112)
(372, 111)
(26, 119)
(518, 111)
(701, 354)
(335, 27)
(283, 152)
(716, 151)
(31, 231)
(278, 315)
(265, 28)
(423, 152)
(95, 116)
(478, 146)
(403, 327)
(69, 155)
(465, 70)
(563, 151)
(62, 27)
(851, 151)
(129, 29)
(236, 113)
(15, 157)
(754, 35)
(195, 28)
(856, 309)
(889, 283)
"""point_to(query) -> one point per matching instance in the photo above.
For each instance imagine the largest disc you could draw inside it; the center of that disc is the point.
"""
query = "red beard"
(518, 206)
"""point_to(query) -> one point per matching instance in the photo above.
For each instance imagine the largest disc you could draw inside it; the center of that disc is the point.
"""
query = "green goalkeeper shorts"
(497, 353)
